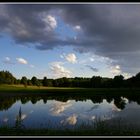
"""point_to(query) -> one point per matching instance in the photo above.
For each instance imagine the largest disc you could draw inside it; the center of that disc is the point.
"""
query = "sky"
(70, 40)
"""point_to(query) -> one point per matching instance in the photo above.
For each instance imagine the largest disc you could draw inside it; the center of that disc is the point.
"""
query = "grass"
(34, 89)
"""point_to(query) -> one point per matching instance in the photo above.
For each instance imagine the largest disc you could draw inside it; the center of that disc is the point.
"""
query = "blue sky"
(39, 61)
(56, 43)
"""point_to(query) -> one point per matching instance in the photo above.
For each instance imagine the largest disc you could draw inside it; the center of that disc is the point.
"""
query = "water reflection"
(5, 120)
(119, 101)
(19, 119)
(70, 110)
(60, 107)
(94, 107)
(71, 120)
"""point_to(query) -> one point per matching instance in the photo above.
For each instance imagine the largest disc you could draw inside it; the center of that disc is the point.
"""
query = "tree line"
(94, 82)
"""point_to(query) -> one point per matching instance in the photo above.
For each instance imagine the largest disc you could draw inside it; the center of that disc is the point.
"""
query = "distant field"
(16, 89)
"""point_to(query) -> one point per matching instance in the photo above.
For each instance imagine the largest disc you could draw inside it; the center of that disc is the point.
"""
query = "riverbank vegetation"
(94, 82)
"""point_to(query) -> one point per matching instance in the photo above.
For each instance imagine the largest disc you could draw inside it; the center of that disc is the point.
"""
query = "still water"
(69, 113)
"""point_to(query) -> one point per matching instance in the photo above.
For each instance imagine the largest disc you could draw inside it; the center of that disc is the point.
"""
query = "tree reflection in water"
(19, 120)
(6, 103)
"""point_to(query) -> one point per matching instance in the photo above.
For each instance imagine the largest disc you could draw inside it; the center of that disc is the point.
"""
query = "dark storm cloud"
(92, 68)
(116, 29)
(110, 30)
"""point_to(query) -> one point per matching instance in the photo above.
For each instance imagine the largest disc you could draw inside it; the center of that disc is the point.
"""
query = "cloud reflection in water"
(71, 120)
(60, 107)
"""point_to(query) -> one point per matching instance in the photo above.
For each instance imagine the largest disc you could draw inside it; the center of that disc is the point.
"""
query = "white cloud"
(50, 21)
(60, 107)
(72, 120)
(21, 61)
(71, 57)
(77, 27)
(91, 59)
(115, 70)
(59, 70)
(126, 75)
(96, 58)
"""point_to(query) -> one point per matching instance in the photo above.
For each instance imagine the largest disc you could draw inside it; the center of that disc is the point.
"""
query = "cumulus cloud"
(59, 70)
(71, 120)
(126, 75)
(91, 59)
(60, 107)
(50, 21)
(114, 34)
(21, 61)
(71, 57)
(115, 70)
(77, 27)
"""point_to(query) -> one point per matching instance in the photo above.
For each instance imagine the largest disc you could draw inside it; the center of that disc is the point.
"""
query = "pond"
(69, 112)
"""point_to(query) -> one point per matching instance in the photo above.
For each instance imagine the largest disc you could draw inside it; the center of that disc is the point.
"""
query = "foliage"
(94, 82)
(7, 78)
(24, 81)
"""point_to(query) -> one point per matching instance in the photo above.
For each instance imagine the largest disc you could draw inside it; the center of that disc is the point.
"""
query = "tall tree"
(45, 81)
(96, 81)
(118, 81)
(24, 81)
(34, 80)
(6, 78)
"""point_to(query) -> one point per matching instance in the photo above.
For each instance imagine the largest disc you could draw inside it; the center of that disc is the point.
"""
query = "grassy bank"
(16, 89)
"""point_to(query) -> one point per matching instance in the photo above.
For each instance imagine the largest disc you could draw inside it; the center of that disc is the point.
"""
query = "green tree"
(118, 81)
(96, 81)
(34, 80)
(6, 78)
(45, 81)
(29, 82)
(24, 81)
(38, 83)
